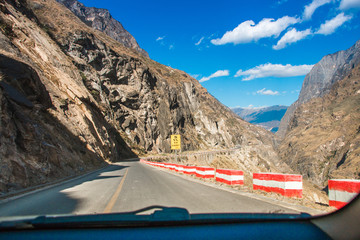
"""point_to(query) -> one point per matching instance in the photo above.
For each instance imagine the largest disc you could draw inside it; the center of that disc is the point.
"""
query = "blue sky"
(245, 53)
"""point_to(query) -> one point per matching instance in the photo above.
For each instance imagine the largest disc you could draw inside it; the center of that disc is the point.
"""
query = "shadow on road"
(107, 177)
(53, 200)
(130, 160)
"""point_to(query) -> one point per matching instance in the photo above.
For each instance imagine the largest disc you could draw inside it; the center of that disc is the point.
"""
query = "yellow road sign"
(175, 142)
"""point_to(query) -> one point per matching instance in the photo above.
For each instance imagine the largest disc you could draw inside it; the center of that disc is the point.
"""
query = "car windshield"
(169, 108)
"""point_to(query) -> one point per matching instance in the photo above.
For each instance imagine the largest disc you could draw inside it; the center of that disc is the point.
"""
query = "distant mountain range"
(267, 117)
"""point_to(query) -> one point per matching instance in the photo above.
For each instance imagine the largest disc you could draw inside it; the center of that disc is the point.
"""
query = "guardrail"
(200, 154)
(190, 170)
(230, 177)
(288, 185)
(342, 191)
(205, 172)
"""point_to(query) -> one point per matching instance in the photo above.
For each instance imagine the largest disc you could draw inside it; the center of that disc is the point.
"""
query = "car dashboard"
(177, 223)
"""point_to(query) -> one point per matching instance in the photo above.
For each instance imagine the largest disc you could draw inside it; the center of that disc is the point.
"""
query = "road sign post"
(176, 144)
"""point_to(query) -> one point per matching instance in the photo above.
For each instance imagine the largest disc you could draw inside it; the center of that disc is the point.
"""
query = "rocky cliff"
(101, 19)
(323, 137)
(73, 97)
(320, 79)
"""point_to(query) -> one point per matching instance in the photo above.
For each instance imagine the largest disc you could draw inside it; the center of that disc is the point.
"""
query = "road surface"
(129, 186)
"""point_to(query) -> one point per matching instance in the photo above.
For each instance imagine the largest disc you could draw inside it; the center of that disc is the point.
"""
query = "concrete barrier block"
(205, 172)
(190, 170)
(342, 191)
(288, 185)
(230, 177)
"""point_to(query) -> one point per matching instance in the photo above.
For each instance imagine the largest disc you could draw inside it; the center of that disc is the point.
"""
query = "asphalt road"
(129, 186)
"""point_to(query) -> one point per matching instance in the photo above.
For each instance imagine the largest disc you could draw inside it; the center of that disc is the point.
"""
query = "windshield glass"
(231, 107)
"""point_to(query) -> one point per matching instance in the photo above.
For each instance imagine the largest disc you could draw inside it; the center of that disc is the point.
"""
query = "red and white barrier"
(167, 165)
(179, 168)
(205, 172)
(230, 177)
(171, 166)
(342, 191)
(288, 185)
(189, 170)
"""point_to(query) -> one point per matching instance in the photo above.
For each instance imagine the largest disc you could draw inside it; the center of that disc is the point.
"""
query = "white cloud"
(160, 38)
(267, 92)
(310, 9)
(253, 107)
(331, 25)
(165, 43)
(274, 70)
(290, 37)
(194, 75)
(219, 73)
(280, 2)
(249, 107)
(248, 31)
(198, 43)
(347, 4)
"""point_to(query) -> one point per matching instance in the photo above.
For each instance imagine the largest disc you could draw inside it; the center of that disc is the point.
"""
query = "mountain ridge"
(101, 19)
(318, 82)
(323, 139)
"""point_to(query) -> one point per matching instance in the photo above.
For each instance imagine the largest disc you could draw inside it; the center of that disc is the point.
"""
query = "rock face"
(320, 79)
(73, 97)
(266, 117)
(323, 138)
(100, 19)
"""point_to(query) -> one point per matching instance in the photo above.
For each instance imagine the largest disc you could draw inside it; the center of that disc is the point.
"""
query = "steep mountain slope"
(266, 117)
(100, 19)
(320, 79)
(73, 97)
(323, 138)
